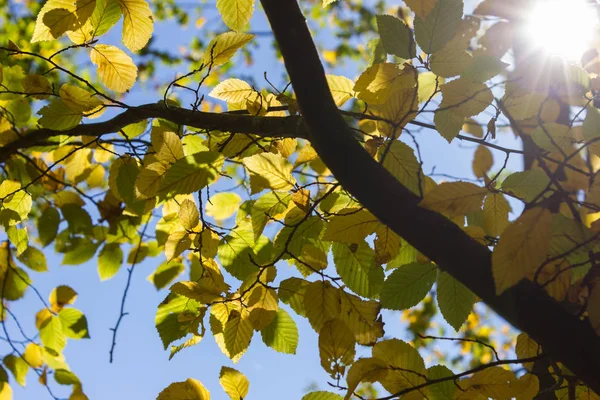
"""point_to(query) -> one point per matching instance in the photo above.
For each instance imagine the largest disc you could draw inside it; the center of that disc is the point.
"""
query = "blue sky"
(141, 368)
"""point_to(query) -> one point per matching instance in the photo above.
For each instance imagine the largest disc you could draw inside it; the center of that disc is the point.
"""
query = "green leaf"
(53, 335)
(484, 68)
(78, 219)
(18, 366)
(18, 237)
(291, 292)
(74, 323)
(448, 123)
(236, 13)
(166, 273)
(167, 320)
(396, 36)
(17, 282)
(110, 259)
(527, 185)
(82, 250)
(358, 269)
(47, 225)
(282, 333)
(34, 259)
(442, 390)
(454, 300)
(191, 173)
(269, 205)
(66, 377)
(57, 116)
(106, 14)
(439, 26)
(239, 254)
(237, 333)
(407, 285)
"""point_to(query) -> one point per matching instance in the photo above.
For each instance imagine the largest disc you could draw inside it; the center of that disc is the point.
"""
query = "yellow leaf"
(167, 145)
(236, 13)
(379, 81)
(191, 389)
(223, 205)
(341, 89)
(400, 160)
(188, 215)
(495, 214)
(232, 91)
(454, 199)
(33, 355)
(36, 85)
(336, 347)
(305, 155)
(41, 31)
(237, 333)
(465, 97)
(399, 109)
(362, 317)
(79, 100)
(421, 7)
(149, 179)
(177, 243)
(522, 248)
(351, 225)
(263, 305)
(527, 387)
(224, 46)
(115, 68)
(138, 24)
(268, 170)
(483, 161)
(494, 382)
(322, 303)
(365, 370)
(61, 296)
(407, 368)
(234, 383)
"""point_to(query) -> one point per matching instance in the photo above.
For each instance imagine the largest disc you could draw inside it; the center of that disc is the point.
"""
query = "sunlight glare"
(564, 28)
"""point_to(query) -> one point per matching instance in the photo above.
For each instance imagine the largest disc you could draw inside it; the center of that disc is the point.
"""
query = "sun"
(565, 28)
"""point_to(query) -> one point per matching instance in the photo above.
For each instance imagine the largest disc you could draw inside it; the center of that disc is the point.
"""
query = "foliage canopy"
(309, 200)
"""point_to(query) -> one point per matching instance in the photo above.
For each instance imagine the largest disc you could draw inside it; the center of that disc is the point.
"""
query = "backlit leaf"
(396, 36)
(234, 383)
(268, 170)
(236, 13)
(436, 26)
(190, 389)
(115, 68)
(454, 198)
(336, 347)
(522, 248)
(138, 24)
(454, 300)
(281, 334)
(407, 285)
(223, 47)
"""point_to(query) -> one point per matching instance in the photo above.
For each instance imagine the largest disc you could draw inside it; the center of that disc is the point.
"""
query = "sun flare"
(565, 28)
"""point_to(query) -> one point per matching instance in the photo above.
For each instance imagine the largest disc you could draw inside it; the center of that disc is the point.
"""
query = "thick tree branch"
(562, 335)
(258, 125)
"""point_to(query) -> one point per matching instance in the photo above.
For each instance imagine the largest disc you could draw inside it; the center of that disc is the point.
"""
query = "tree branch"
(562, 335)
(258, 125)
